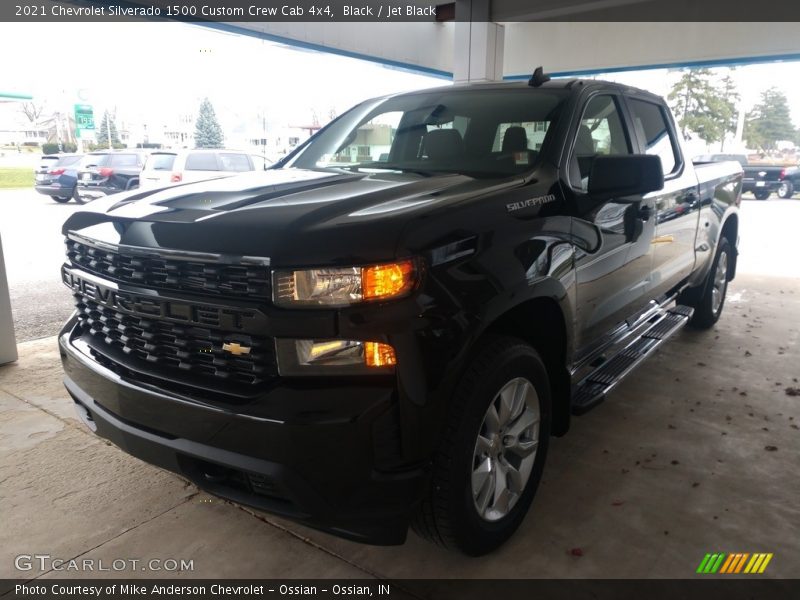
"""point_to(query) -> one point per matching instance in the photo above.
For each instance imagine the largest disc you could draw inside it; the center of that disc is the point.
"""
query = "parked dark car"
(57, 176)
(115, 171)
(60, 181)
(789, 182)
(362, 344)
(760, 180)
(46, 161)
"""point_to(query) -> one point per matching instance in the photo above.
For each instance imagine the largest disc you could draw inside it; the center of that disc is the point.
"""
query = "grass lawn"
(16, 178)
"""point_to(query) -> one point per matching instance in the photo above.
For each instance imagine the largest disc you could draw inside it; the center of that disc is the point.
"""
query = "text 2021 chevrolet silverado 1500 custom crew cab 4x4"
(387, 328)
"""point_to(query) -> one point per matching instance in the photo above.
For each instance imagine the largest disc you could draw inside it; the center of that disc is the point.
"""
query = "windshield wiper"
(382, 166)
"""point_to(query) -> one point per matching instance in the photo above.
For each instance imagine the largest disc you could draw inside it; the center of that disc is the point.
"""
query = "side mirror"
(625, 175)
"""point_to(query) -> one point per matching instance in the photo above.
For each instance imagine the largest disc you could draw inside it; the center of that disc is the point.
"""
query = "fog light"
(333, 357)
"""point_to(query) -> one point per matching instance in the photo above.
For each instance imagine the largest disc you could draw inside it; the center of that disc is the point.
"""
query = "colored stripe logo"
(736, 562)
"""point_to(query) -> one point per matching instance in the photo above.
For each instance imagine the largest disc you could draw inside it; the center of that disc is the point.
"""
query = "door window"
(652, 128)
(600, 132)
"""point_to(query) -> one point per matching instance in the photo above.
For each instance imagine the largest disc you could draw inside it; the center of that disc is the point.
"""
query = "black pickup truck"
(759, 179)
(386, 328)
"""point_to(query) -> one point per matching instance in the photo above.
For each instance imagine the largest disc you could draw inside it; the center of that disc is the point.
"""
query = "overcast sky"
(150, 67)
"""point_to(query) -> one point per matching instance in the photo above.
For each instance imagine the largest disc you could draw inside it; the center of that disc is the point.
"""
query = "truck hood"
(294, 217)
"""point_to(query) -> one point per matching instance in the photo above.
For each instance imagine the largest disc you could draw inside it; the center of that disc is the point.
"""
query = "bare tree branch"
(32, 110)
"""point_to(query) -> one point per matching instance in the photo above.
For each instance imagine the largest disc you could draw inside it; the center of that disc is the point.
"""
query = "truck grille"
(148, 271)
(181, 352)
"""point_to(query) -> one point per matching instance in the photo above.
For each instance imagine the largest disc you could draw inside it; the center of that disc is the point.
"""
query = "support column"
(479, 43)
(8, 343)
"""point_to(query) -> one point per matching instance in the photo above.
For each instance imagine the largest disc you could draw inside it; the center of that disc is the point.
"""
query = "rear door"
(677, 206)
(612, 283)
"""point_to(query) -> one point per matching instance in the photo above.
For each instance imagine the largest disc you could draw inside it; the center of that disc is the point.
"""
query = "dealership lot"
(694, 453)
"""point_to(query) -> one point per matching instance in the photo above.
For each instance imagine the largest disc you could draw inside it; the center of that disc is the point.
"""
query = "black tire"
(60, 200)
(762, 194)
(706, 310)
(786, 190)
(76, 196)
(449, 515)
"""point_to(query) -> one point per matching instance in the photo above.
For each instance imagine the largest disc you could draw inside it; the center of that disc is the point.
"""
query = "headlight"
(343, 286)
(333, 357)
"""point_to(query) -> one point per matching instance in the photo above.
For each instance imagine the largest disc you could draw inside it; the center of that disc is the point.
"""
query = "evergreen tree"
(207, 132)
(102, 134)
(703, 105)
(770, 121)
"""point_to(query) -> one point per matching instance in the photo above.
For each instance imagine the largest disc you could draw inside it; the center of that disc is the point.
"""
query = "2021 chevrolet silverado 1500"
(387, 328)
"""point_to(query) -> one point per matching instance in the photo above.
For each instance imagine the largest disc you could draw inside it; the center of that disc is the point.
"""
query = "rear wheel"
(78, 198)
(709, 300)
(786, 189)
(60, 199)
(761, 194)
(493, 451)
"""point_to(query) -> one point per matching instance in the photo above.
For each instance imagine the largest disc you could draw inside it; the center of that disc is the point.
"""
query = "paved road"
(31, 233)
(30, 227)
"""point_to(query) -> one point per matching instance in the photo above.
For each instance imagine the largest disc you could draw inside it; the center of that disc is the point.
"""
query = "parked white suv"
(164, 167)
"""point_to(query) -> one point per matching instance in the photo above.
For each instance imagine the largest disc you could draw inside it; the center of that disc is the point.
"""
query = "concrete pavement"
(695, 452)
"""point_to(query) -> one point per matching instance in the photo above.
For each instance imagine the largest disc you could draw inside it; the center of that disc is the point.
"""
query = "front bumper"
(314, 461)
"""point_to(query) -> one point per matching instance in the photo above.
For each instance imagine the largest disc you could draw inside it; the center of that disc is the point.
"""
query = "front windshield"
(478, 132)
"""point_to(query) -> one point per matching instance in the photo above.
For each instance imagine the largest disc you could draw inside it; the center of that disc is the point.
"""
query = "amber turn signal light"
(377, 354)
(387, 280)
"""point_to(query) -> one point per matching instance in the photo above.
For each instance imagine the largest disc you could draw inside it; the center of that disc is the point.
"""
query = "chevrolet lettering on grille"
(227, 318)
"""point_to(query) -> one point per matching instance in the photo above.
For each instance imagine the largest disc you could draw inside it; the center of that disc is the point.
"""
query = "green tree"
(207, 132)
(102, 134)
(732, 99)
(770, 121)
(704, 105)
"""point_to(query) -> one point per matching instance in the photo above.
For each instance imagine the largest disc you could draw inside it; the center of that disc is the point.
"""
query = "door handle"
(644, 213)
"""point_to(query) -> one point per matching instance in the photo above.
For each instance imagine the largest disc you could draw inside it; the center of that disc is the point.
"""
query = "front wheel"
(60, 199)
(761, 194)
(493, 450)
(786, 190)
(709, 300)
